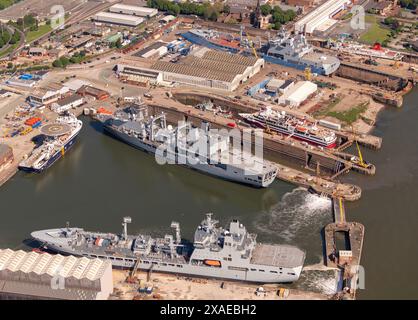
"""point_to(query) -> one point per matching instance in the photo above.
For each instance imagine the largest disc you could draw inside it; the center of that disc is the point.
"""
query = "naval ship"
(296, 52)
(135, 127)
(231, 253)
(59, 137)
(298, 128)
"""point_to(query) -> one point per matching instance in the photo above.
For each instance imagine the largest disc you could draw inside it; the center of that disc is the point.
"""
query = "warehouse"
(320, 16)
(67, 103)
(42, 276)
(6, 155)
(133, 10)
(119, 19)
(138, 75)
(156, 49)
(96, 93)
(211, 69)
(298, 93)
(46, 96)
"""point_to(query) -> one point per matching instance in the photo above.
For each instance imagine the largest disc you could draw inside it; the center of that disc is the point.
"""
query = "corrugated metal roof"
(193, 71)
(51, 265)
(230, 58)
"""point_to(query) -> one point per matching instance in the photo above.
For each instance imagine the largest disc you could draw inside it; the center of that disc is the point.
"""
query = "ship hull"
(187, 269)
(294, 135)
(225, 172)
(58, 155)
(300, 66)
(206, 43)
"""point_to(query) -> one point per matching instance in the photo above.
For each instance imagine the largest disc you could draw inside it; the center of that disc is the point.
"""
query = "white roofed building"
(298, 93)
(116, 18)
(321, 17)
(31, 275)
(133, 10)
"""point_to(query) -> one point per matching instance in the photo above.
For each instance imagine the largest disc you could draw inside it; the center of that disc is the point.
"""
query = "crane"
(251, 44)
(360, 156)
(308, 74)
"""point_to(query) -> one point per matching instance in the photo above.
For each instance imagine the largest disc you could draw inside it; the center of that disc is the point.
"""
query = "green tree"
(265, 9)
(10, 65)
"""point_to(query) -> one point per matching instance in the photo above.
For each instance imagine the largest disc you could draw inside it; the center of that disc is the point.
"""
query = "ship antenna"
(126, 220)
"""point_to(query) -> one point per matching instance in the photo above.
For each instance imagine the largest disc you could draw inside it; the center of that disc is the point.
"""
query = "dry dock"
(173, 287)
(343, 247)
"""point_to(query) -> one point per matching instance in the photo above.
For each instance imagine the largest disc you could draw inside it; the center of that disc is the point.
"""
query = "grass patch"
(326, 110)
(351, 115)
(33, 35)
(8, 50)
(375, 32)
(7, 3)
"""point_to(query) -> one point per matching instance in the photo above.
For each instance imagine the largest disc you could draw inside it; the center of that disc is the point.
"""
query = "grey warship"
(135, 127)
(231, 253)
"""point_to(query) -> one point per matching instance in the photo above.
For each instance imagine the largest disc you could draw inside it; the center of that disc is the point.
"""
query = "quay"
(347, 259)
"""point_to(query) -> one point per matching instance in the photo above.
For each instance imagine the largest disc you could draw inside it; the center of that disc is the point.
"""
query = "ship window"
(146, 262)
(180, 266)
(154, 262)
(291, 273)
(171, 265)
(253, 269)
(272, 271)
(261, 270)
(163, 264)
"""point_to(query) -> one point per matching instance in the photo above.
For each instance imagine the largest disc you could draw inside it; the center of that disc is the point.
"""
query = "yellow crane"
(251, 44)
(360, 157)
(308, 74)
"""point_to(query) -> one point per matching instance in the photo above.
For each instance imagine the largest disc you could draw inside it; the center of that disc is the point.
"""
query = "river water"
(101, 180)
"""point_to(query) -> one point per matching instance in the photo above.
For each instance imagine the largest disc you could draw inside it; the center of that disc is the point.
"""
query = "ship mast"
(126, 220)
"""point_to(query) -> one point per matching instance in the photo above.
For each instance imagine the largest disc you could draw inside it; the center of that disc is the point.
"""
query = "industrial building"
(46, 96)
(321, 17)
(42, 276)
(138, 75)
(210, 69)
(6, 155)
(67, 103)
(96, 93)
(133, 10)
(297, 93)
(119, 19)
(157, 49)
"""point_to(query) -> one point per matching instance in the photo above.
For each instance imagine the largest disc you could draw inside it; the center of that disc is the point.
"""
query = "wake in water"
(297, 219)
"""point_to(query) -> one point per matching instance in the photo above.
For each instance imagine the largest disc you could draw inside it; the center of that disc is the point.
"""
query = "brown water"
(101, 180)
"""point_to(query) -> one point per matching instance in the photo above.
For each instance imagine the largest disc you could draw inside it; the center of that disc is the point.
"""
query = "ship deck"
(277, 256)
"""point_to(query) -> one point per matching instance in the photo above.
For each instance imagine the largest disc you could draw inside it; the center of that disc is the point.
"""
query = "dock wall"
(380, 79)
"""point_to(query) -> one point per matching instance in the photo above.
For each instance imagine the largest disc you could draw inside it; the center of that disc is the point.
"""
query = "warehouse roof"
(69, 99)
(109, 16)
(223, 66)
(193, 71)
(47, 264)
(121, 6)
(230, 58)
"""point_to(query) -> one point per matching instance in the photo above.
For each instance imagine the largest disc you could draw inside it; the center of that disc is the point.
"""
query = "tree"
(265, 9)
(226, 9)
(10, 65)
(57, 64)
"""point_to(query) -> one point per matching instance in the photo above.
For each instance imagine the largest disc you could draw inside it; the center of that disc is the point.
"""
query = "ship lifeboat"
(301, 129)
(212, 263)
